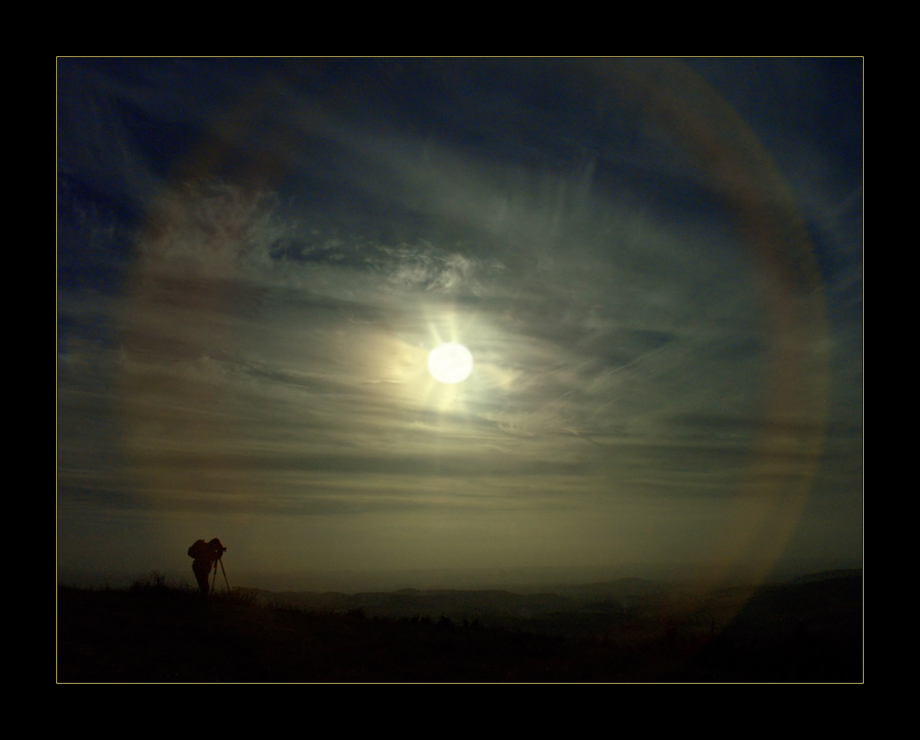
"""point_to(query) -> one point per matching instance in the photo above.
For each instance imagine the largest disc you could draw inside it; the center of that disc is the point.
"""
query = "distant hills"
(524, 580)
(825, 575)
(535, 611)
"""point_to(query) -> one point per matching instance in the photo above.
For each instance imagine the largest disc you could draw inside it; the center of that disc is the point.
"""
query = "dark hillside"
(809, 631)
(175, 636)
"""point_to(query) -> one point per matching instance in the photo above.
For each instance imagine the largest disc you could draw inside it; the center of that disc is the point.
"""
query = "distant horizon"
(469, 579)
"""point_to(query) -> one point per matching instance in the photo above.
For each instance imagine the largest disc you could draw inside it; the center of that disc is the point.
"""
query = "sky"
(655, 264)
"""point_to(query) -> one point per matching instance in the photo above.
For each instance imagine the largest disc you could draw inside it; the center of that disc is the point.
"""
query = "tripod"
(224, 571)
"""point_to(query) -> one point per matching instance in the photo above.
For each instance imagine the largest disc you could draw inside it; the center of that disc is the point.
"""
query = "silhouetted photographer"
(207, 555)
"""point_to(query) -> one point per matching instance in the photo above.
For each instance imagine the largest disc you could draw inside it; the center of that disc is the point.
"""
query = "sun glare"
(450, 363)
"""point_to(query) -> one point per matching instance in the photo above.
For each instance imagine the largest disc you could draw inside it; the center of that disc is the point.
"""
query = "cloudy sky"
(656, 265)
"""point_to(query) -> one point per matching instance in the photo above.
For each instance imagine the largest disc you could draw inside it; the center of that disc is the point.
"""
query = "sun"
(450, 363)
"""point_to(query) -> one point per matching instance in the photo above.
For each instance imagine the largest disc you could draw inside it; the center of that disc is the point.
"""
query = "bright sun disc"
(450, 363)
